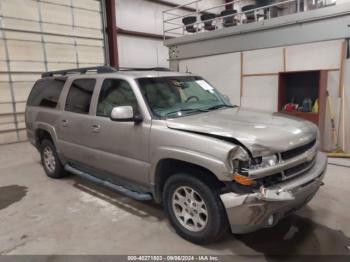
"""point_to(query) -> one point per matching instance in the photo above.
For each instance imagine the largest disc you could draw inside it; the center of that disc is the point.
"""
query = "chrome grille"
(287, 173)
(296, 169)
(297, 151)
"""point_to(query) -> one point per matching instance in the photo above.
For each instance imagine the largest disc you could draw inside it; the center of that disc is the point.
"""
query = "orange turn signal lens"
(243, 180)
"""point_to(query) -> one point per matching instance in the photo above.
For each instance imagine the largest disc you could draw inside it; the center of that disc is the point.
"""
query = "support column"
(112, 33)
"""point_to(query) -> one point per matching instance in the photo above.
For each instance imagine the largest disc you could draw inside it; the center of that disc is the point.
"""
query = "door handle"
(96, 128)
(65, 122)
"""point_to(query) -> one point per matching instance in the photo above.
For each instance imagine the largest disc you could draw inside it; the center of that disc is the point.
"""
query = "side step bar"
(120, 189)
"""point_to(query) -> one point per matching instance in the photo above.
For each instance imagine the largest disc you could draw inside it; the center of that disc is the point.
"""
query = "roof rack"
(98, 70)
(143, 69)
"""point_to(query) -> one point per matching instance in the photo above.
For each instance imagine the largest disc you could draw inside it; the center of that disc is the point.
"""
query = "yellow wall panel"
(263, 61)
(86, 18)
(23, 66)
(60, 53)
(58, 29)
(38, 43)
(24, 9)
(60, 2)
(7, 126)
(3, 65)
(60, 66)
(2, 50)
(6, 118)
(56, 14)
(87, 32)
(23, 36)
(20, 107)
(321, 55)
(88, 4)
(22, 90)
(6, 108)
(89, 54)
(25, 77)
(5, 93)
(11, 23)
(59, 39)
(21, 50)
(89, 42)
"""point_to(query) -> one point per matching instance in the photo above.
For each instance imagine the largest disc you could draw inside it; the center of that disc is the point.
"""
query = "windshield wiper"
(187, 109)
(219, 106)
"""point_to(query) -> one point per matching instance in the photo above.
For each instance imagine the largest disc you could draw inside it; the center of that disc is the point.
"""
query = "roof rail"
(99, 70)
(96, 69)
(143, 69)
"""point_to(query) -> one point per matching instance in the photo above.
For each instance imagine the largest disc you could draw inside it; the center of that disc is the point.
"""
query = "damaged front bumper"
(249, 212)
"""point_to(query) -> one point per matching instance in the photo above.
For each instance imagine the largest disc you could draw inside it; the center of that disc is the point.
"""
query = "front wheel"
(194, 209)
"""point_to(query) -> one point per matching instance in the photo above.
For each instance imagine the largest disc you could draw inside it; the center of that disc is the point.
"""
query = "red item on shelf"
(290, 107)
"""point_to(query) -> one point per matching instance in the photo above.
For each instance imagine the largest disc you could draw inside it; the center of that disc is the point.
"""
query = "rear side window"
(46, 92)
(79, 96)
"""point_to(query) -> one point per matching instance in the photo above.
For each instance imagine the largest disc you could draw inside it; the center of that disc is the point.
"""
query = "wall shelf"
(296, 86)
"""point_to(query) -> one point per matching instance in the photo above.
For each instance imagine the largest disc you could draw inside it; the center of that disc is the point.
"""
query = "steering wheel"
(191, 97)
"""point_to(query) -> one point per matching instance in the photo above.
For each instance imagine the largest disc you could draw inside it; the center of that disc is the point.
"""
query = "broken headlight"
(264, 161)
(236, 156)
(256, 163)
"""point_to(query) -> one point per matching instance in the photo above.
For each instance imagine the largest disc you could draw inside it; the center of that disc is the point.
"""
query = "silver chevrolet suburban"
(173, 138)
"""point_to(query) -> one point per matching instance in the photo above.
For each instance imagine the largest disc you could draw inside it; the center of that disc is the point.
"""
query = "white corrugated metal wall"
(37, 36)
(145, 16)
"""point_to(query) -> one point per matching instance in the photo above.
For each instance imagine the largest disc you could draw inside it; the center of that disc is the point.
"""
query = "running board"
(120, 189)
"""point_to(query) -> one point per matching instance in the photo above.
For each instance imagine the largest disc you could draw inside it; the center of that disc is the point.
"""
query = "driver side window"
(115, 92)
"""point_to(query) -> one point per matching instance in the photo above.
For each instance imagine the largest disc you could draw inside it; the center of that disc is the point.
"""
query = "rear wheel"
(194, 209)
(50, 161)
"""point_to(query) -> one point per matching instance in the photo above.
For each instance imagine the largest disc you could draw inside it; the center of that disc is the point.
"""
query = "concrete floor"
(39, 215)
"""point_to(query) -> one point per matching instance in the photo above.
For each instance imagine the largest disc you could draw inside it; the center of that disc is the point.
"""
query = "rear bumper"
(249, 212)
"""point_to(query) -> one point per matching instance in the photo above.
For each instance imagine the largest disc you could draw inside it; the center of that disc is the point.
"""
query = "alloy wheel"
(190, 209)
(49, 159)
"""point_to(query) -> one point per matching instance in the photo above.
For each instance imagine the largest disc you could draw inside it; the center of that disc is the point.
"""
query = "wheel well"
(42, 134)
(168, 167)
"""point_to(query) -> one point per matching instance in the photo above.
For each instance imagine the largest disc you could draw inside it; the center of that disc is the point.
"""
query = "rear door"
(73, 128)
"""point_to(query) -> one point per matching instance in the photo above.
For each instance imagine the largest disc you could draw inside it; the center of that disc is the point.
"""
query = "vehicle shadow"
(144, 209)
(295, 235)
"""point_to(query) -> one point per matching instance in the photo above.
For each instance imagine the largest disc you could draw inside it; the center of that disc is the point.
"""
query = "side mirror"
(226, 98)
(125, 114)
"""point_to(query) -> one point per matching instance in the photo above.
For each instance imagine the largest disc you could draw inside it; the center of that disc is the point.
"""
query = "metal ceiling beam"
(112, 33)
(121, 31)
(170, 4)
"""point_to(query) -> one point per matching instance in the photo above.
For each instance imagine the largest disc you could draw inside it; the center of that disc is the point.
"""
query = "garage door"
(37, 36)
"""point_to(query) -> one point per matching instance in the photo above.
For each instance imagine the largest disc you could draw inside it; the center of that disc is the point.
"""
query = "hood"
(258, 131)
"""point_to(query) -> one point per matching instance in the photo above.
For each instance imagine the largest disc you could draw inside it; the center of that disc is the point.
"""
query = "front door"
(120, 149)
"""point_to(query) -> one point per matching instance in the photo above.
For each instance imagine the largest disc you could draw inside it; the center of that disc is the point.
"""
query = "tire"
(50, 161)
(205, 227)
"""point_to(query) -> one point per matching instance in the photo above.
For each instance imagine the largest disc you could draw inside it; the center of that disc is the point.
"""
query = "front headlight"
(264, 161)
(242, 164)
(257, 162)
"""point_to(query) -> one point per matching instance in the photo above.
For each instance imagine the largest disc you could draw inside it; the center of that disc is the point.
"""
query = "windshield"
(179, 96)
